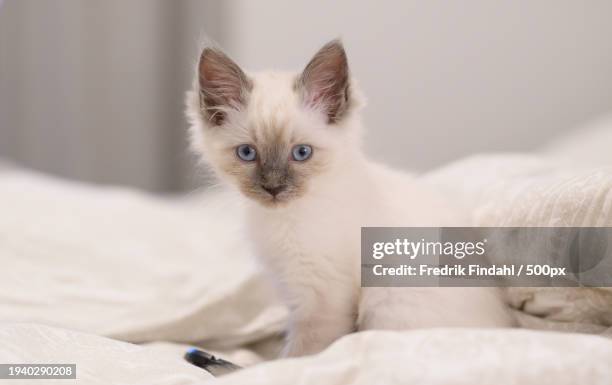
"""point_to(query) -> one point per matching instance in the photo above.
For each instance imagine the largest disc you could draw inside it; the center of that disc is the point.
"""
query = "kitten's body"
(308, 236)
(312, 249)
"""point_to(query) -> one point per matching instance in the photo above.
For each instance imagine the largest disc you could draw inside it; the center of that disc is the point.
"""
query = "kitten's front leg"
(313, 333)
(323, 308)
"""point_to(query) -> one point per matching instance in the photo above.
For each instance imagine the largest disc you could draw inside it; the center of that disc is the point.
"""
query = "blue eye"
(301, 152)
(246, 152)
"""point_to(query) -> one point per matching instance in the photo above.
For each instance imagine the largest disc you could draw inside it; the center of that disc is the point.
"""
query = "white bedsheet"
(442, 356)
(98, 360)
(123, 264)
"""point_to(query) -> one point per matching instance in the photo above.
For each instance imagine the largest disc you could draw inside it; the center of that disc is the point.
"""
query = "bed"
(121, 283)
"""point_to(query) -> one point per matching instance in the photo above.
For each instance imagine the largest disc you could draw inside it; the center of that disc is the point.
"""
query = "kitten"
(291, 143)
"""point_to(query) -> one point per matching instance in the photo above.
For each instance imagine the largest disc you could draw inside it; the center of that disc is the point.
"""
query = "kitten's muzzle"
(273, 178)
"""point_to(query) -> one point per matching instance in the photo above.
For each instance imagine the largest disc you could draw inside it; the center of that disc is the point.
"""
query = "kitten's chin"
(274, 203)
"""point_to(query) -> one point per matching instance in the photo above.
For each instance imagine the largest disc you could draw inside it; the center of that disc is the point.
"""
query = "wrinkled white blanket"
(522, 190)
(434, 356)
(127, 265)
(95, 261)
(98, 360)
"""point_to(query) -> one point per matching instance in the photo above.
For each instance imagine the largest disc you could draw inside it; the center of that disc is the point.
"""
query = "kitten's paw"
(314, 335)
(292, 348)
(304, 344)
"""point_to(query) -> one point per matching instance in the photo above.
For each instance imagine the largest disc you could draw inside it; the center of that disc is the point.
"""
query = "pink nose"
(274, 190)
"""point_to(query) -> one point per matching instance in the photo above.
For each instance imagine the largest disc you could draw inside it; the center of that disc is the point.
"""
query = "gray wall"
(94, 90)
(448, 78)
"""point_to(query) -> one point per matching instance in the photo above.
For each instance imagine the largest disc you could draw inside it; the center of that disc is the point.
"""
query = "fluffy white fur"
(311, 244)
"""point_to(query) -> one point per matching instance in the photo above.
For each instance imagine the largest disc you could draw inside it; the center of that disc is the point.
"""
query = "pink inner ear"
(218, 80)
(319, 88)
(325, 81)
(315, 98)
(222, 84)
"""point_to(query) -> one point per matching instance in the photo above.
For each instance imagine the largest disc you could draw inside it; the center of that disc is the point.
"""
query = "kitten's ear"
(324, 83)
(222, 83)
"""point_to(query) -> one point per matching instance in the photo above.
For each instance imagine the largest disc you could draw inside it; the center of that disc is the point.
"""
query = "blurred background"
(93, 90)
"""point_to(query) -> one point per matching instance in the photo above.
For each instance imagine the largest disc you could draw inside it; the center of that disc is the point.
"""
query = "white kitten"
(292, 144)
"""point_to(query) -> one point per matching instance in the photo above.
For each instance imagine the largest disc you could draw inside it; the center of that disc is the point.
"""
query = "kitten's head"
(273, 135)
